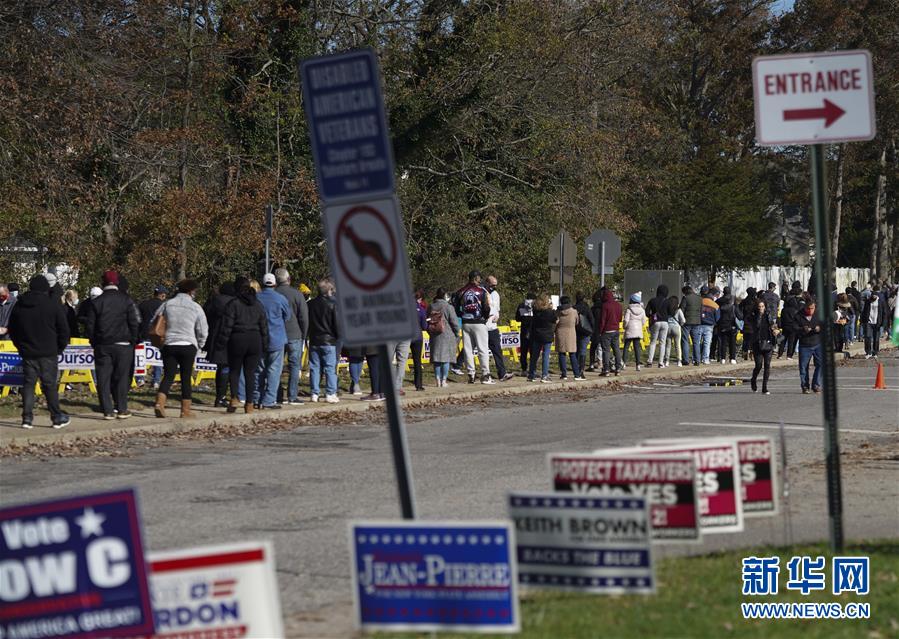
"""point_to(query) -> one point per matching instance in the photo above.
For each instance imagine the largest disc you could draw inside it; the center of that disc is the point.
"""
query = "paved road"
(300, 487)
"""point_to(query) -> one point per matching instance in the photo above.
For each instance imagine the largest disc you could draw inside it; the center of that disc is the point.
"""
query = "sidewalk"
(207, 417)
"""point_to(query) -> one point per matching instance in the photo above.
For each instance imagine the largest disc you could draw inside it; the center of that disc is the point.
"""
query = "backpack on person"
(584, 324)
(470, 305)
(436, 323)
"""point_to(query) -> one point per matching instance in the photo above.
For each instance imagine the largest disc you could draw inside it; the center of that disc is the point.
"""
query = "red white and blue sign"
(74, 568)
(434, 576)
(11, 370)
(350, 140)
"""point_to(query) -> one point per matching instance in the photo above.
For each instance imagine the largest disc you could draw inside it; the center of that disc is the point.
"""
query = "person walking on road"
(675, 328)
(657, 315)
(872, 320)
(634, 319)
(691, 305)
(297, 330)
(112, 325)
(494, 339)
(444, 340)
(473, 308)
(524, 315)
(810, 346)
(186, 331)
(543, 329)
(39, 330)
(566, 338)
(323, 338)
(727, 328)
(244, 336)
(609, 323)
(214, 308)
(763, 346)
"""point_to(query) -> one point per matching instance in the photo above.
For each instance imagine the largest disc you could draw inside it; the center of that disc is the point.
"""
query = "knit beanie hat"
(110, 278)
(39, 284)
(637, 297)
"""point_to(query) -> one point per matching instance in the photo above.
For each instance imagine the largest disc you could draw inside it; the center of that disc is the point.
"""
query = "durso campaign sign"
(433, 576)
(668, 482)
(74, 568)
(582, 542)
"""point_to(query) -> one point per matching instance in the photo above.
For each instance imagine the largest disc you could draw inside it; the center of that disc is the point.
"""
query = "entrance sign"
(216, 591)
(425, 577)
(350, 140)
(368, 259)
(668, 482)
(814, 98)
(74, 568)
(583, 543)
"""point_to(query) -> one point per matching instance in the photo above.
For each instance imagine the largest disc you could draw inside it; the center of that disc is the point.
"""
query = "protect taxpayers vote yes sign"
(73, 568)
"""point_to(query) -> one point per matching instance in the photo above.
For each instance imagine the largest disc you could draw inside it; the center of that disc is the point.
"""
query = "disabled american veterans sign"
(582, 542)
(668, 482)
(228, 591)
(430, 576)
(74, 568)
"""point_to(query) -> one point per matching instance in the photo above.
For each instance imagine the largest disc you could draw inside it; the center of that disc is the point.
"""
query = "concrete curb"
(145, 423)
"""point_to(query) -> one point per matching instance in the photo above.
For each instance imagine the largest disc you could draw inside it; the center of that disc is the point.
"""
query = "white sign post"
(814, 98)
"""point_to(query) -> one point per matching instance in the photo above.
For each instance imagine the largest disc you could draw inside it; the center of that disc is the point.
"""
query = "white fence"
(759, 277)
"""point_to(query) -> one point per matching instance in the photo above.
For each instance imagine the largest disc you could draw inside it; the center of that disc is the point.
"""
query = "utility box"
(648, 281)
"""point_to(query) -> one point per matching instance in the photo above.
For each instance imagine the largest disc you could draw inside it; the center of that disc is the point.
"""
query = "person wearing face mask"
(7, 301)
(186, 331)
(809, 330)
(494, 340)
(71, 308)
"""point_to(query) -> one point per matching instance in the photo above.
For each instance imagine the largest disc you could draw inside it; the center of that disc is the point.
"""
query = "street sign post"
(269, 224)
(363, 224)
(602, 248)
(816, 99)
(562, 257)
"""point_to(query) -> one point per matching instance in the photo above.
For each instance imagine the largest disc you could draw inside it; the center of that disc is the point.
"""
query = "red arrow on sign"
(830, 112)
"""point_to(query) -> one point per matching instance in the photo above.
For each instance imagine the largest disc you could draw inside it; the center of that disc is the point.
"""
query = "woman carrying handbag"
(765, 338)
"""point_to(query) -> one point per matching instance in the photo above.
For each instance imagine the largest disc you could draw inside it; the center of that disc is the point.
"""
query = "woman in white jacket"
(676, 321)
(634, 319)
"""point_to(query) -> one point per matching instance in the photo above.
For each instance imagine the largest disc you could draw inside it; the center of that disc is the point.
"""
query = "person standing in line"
(840, 319)
(772, 302)
(38, 329)
(13, 288)
(147, 309)
(657, 314)
(473, 308)
(71, 309)
(186, 331)
(112, 324)
(708, 318)
(809, 329)
(566, 338)
(543, 329)
(596, 338)
(524, 315)
(297, 329)
(268, 373)
(215, 316)
(675, 326)
(791, 308)
(7, 302)
(727, 328)
(855, 298)
(494, 339)
(400, 359)
(748, 309)
(357, 356)
(244, 336)
(56, 291)
(691, 305)
(583, 330)
(854, 310)
(417, 345)
(323, 338)
(609, 323)
(634, 319)
(442, 322)
(872, 320)
(763, 345)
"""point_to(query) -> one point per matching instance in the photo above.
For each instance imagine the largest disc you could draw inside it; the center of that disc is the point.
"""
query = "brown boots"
(234, 405)
(248, 407)
(159, 408)
(185, 409)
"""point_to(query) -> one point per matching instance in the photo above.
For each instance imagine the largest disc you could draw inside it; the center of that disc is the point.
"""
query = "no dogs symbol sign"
(368, 258)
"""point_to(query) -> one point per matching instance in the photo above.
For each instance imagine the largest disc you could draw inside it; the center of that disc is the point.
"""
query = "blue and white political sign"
(591, 544)
(11, 370)
(74, 568)
(347, 126)
(429, 576)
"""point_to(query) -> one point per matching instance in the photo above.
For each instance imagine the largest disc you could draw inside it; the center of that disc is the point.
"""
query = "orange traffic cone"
(878, 381)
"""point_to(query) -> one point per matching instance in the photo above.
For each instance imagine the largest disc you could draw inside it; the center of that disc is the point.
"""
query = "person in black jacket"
(793, 305)
(111, 324)
(40, 332)
(596, 338)
(657, 314)
(748, 308)
(323, 337)
(243, 335)
(524, 315)
(215, 316)
(584, 329)
(872, 321)
(727, 328)
(543, 331)
(765, 335)
(809, 329)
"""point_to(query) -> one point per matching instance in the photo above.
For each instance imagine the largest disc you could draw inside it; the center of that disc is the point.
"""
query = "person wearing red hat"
(112, 324)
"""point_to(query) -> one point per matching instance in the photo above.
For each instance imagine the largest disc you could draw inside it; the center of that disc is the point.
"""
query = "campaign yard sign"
(430, 576)
(11, 373)
(668, 482)
(758, 472)
(583, 542)
(718, 484)
(222, 592)
(74, 568)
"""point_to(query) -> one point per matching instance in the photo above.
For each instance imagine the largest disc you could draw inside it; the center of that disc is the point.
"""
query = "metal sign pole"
(269, 223)
(401, 460)
(823, 272)
(561, 265)
(602, 264)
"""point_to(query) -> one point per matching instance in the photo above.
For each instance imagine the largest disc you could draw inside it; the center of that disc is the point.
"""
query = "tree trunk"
(838, 203)
(185, 122)
(880, 226)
